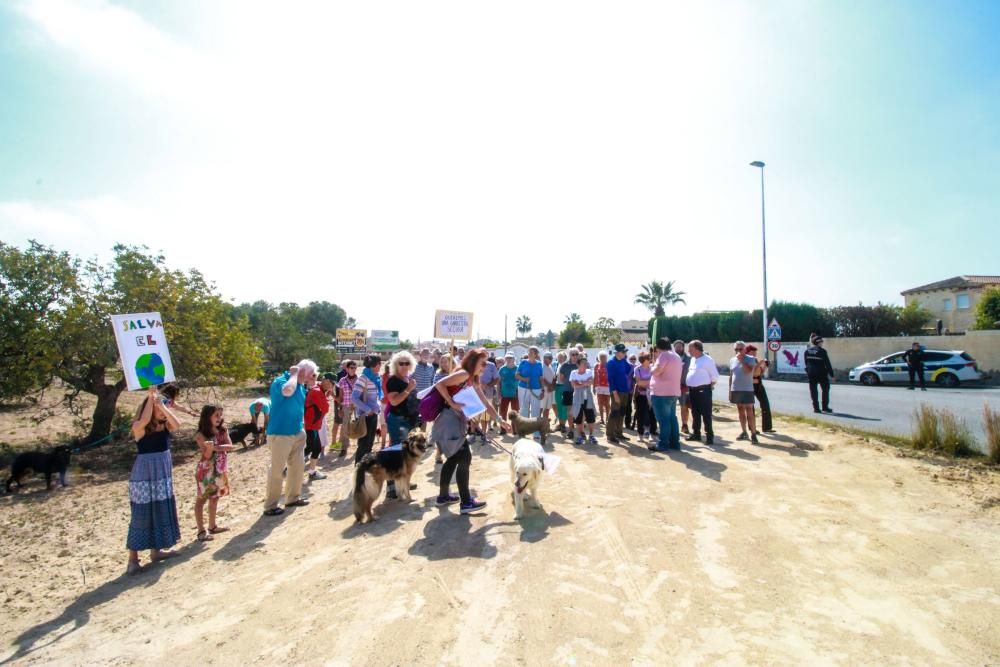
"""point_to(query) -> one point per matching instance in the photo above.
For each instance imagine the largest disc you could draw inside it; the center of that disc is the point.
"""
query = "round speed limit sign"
(774, 345)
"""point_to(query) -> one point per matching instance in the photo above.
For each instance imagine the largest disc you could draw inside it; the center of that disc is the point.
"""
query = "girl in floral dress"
(212, 473)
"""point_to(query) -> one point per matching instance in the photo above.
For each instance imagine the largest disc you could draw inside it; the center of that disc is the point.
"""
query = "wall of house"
(846, 353)
(957, 319)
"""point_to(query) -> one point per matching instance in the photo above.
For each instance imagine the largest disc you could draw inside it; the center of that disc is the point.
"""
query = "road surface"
(884, 409)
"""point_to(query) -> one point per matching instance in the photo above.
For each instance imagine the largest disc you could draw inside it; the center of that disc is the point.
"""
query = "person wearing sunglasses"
(741, 368)
(404, 406)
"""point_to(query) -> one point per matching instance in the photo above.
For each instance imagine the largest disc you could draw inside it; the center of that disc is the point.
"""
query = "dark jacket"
(914, 358)
(817, 363)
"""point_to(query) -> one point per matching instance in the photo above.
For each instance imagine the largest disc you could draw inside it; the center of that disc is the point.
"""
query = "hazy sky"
(521, 157)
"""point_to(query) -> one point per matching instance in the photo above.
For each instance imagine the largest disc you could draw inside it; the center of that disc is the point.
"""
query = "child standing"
(212, 474)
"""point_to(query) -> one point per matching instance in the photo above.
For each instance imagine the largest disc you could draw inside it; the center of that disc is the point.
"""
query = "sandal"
(204, 536)
(274, 511)
(218, 529)
(299, 502)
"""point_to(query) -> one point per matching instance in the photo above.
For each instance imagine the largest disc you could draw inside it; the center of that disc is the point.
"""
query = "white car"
(946, 368)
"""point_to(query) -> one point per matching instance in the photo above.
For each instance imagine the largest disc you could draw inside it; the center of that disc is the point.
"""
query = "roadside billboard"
(352, 341)
(792, 359)
(385, 340)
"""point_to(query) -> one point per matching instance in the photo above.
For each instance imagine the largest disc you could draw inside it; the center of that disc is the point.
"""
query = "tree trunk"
(104, 412)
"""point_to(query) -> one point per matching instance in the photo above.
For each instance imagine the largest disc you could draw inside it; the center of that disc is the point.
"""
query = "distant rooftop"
(958, 282)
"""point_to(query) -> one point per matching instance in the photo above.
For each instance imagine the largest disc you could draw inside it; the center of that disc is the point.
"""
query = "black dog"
(54, 462)
(241, 432)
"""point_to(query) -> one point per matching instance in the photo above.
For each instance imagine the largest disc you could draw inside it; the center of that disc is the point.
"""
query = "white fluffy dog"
(525, 472)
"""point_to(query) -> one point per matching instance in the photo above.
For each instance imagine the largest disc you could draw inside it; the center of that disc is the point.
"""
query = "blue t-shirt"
(532, 371)
(265, 406)
(287, 412)
(489, 373)
(508, 383)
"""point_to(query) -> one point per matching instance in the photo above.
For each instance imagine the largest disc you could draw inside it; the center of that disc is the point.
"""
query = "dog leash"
(97, 443)
(496, 444)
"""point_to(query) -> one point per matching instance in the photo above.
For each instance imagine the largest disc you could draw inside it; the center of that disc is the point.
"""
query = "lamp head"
(757, 163)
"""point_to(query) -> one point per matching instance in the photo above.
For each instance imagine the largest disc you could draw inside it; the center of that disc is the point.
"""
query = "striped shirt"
(423, 374)
(365, 396)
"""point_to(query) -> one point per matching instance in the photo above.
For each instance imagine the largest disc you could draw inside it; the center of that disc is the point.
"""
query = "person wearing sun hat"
(819, 371)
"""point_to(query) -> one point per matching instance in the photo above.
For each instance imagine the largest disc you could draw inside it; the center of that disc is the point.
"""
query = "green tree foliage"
(797, 320)
(547, 339)
(656, 296)
(988, 309)
(34, 285)
(573, 318)
(912, 319)
(523, 325)
(575, 332)
(209, 343)
(605, 331)
(289, 332)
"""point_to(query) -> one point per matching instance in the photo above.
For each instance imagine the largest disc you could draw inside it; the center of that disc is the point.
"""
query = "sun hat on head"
(620, 347)
(332, 377)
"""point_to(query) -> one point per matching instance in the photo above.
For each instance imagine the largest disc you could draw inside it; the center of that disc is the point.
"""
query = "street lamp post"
(763, 244)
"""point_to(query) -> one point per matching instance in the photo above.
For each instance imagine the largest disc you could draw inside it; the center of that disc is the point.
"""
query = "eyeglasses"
(402, 363)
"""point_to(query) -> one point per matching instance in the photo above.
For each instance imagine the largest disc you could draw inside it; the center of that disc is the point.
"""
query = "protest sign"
(452, 324)
(142, 345)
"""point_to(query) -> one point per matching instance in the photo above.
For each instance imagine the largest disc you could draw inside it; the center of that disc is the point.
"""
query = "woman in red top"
(317, 405)
(601, 385)
(459, 463)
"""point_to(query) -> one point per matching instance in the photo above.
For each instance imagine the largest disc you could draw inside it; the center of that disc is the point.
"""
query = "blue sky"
(525, 158)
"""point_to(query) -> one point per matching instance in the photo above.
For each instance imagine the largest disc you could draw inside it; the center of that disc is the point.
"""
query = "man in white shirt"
(701, 378)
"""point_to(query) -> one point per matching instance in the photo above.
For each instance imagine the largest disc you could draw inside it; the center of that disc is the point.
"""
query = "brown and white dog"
(377, 467)
(525, 473)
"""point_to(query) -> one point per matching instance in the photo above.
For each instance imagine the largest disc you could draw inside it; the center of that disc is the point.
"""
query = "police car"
(945, 368)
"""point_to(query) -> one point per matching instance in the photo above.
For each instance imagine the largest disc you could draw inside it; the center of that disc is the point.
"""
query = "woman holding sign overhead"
(450, 428)
(154, 524)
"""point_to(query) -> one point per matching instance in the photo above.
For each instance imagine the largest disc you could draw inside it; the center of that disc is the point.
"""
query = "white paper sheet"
(472, 406)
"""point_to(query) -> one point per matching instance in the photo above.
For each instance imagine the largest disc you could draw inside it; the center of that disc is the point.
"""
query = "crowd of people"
(662, 394)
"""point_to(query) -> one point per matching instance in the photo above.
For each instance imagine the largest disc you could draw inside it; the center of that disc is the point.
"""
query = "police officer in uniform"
(915, 365)
(820, 372)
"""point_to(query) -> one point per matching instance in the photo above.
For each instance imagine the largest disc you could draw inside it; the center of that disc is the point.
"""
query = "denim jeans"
(665, 411)
(399, 428)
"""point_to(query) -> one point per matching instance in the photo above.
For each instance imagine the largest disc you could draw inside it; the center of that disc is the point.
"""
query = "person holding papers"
(450, 429)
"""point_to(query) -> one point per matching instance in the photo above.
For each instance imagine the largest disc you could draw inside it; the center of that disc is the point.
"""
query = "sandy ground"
(813, 548)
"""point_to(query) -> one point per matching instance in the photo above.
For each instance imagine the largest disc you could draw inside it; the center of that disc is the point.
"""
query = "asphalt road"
(884, 409)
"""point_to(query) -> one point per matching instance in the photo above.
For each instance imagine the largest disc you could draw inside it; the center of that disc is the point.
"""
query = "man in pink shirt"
(664, 390)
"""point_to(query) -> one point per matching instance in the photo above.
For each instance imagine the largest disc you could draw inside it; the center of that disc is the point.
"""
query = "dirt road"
(813, 548)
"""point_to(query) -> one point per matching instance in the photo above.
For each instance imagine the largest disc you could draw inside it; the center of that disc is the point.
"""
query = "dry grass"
(991, 424)
(956, 439)
(926, 434)
(940, 430)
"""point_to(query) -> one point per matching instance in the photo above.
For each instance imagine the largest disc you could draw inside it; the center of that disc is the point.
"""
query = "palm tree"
(656, 295)
(573, 318)
(523, 324)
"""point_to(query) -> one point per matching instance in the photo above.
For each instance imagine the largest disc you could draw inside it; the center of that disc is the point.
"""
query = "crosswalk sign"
(774, 330)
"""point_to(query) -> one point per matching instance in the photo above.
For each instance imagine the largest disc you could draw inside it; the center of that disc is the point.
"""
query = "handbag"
(357, 428)
(431, 405)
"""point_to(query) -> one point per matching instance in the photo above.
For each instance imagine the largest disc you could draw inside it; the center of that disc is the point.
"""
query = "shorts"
(547, 400)
(567, 397)
(585, 412)
(741, 397)
(338, 414)
(602, 391)
(313, 446)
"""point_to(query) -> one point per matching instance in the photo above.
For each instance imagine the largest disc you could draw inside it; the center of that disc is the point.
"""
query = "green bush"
(991, 419)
